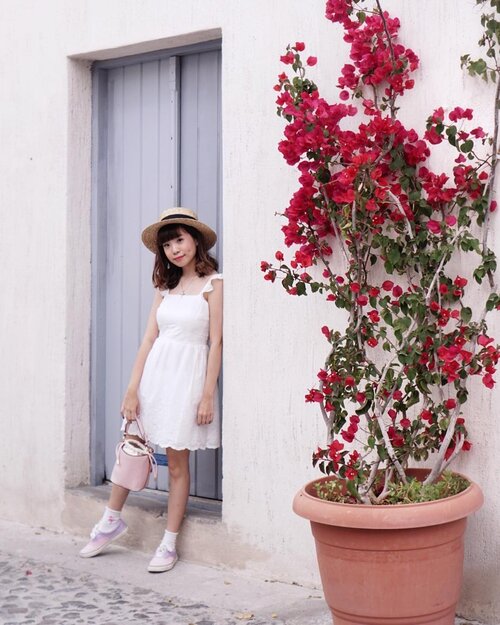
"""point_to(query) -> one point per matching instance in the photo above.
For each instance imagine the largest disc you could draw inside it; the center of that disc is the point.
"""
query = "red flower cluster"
(366, 191)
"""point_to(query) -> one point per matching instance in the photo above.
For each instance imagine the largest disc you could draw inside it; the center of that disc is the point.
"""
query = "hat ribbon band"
(177, 216)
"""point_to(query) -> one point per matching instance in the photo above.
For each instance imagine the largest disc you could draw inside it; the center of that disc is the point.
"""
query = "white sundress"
(174, 374)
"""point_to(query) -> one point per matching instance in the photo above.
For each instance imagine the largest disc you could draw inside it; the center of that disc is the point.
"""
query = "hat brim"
(150, 234)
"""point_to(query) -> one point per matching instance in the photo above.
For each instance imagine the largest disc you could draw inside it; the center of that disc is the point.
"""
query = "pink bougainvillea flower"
(288, 58)
(478, 133)
(460, 113)
(449, 404)
(434, 226)
(314, 396)
(387, 285)
(300, 46)
(484, 340)
(426, 415)
(311, 60)
(344, 95)
(432, 136)
(450, 220)
(347, 436)
(488, 380)
(322, 374)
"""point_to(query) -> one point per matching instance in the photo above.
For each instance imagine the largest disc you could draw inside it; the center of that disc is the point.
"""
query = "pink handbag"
(134, 461)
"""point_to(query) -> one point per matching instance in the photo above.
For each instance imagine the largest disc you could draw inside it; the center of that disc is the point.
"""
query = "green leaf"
(422, 386)
(301, 288)
(394, 255)
(387, 316)
(466, 314)
(351, 487)
(467, 146)
(492, 301)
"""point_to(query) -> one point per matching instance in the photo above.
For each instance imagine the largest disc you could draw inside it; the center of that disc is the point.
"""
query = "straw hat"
(181, 216)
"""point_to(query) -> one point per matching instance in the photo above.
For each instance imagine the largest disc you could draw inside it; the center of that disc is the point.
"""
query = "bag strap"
(140, 427)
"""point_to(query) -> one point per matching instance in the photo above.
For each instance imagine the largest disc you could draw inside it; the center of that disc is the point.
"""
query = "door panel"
(161, 121)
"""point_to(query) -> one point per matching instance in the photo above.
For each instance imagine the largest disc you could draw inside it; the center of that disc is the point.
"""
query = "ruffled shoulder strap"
(209, 286)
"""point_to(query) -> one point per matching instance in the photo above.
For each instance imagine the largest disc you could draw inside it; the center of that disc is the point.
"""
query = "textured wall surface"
(273, 345)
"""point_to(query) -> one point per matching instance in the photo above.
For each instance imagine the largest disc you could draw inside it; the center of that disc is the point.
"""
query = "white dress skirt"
(174, 375)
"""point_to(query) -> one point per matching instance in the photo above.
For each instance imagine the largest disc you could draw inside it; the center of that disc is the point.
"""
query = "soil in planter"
(414, 491)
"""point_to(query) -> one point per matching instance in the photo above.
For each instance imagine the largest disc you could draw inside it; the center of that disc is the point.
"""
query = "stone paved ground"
(32, 593)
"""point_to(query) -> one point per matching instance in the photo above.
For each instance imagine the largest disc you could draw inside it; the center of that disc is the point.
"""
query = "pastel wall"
(273, 345)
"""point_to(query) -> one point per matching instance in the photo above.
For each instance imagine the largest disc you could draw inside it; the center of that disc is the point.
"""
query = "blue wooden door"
(157, 145)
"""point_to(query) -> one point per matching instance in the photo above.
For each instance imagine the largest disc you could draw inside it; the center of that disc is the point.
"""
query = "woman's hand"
(130, 408)
(205, 410)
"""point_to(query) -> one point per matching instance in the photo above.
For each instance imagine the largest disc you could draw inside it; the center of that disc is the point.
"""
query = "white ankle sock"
(109, 520)
(169, 539)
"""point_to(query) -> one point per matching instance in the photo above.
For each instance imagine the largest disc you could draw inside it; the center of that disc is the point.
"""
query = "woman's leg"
(110, 526)
(178, 492)
(117, 498)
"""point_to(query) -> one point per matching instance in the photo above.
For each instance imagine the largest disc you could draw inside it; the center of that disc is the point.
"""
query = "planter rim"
(393, 516)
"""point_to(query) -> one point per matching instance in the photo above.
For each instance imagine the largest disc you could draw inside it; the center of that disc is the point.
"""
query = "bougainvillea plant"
(380, 235)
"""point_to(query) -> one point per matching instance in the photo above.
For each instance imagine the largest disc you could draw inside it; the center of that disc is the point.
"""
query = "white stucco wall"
(273, 346)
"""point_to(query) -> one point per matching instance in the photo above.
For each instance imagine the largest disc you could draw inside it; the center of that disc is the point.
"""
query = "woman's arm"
(206, 407)
(130, 408)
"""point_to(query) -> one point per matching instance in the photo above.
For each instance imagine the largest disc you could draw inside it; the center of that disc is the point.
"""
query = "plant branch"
(493, 167)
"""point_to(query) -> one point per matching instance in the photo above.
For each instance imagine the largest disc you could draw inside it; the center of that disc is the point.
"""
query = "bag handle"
(140, 427)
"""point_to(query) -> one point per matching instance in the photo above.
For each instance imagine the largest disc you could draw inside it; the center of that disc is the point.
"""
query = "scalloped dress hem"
(180, 448)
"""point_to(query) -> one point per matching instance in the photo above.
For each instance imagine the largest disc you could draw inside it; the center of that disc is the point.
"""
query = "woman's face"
(181, 250)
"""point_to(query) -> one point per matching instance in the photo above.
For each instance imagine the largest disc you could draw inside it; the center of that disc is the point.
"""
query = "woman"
(173, 385)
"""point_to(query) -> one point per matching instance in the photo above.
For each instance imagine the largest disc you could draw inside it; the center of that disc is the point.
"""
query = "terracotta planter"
(398, 564)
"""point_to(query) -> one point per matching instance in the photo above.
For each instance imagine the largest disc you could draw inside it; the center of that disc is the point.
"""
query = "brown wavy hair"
(166, 275)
